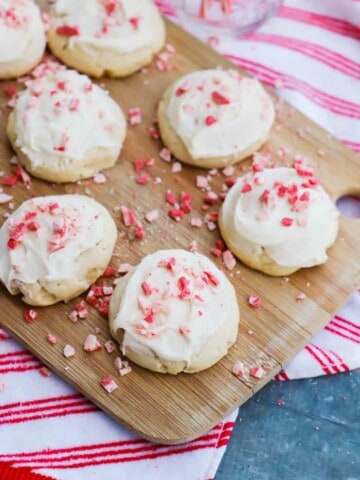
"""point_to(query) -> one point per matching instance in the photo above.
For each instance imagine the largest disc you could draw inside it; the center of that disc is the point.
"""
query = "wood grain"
(165, 408)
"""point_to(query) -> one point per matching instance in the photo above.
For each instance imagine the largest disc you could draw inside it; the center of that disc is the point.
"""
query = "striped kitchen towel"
(309, 53)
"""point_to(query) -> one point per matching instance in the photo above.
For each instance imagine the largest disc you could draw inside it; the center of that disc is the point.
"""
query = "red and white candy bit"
(128, 216)
(202, 182)
(124, 268)
(68, 30)
(30, 315)
(125, 369)
(254, 301)
(109, 384)
(109, 272)
(139, 231)
(238, 369)
(45, 372)
(196, 222)
(210, 120)
(51, 338)
(143, 179)
(229, 260)
(184, 330)
(10, 91)
(91, 343)
(154, 132)
(300, 297)
(287, 221)
(170, 197)
(135, 117)
(107, 289)
(69, 351)
(110, 346)
(176, 214)
(219, 98)
(176, 167)
(211, 198)
(165, 155)
(82, 310)
(257, 371)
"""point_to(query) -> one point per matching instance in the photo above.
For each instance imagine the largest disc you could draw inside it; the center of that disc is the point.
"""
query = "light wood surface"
(175, 409)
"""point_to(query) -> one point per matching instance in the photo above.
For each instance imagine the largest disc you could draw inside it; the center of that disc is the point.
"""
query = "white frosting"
(180, 322)
(47, 235)
(64, 113)
(243, 121)
(20, 24)
(118, 25)
(256, 220)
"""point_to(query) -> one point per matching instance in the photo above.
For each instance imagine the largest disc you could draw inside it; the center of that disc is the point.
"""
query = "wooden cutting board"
(175, 409)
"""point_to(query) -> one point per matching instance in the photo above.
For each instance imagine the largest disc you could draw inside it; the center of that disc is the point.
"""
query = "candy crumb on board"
(109, 384)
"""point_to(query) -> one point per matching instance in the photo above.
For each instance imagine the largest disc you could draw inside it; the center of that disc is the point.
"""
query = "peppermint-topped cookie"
(22, 37)
(64, 127)
(175, 312)
(278, 220)
(213, 118)
(106, 37)
(53, 248)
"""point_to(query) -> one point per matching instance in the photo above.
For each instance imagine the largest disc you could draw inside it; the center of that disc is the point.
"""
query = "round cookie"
(53, 248)
(106, 37)
(22, 37)
(214, 118)
(279, 220)
(174, 312)
(64, 127)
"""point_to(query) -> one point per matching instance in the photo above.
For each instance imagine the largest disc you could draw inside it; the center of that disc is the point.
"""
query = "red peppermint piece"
(109, 272)
(109, 384)
(30, 315)
(254, 301)
(110, 346)
(91, 343)
(135, 116)
(10, 91)
(219, 99)
(135, 22)
(138, 165)
(238, 369)
(143, 179)
(33, 226)
(9, 180)
(146, 288)
(257, 371)
(139, 231)
(128, 216)
(68, 30)
(229, 260)
(180, 91)
(246, 188)
(210, 120)
(287, 221)
(170, 197)
(176, 214)
(211, 278)
(51, 338)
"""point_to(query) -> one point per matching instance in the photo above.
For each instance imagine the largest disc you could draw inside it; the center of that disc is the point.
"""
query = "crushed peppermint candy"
(229, 259)
(135, 117)
(69, 351)
(254, 301)
(109, 384)
(91, 343)
(300, 297)
(110, 346)
(152, 215)
(238, 369)
(165, 154)
(51, 338)
(30, 315)
(257, 371)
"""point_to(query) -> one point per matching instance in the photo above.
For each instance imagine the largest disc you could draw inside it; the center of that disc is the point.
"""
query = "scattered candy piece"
(254, 301)
(238, 369)
(109, 384)
(69, 351)
(91, 343)
(257, 372)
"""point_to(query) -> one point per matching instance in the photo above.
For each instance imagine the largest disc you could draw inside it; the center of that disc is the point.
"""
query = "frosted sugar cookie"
(53, 248)
(22, 37)
(106, 37)
(279, 220)
(65, 128)
(214, 118)
(175, 312)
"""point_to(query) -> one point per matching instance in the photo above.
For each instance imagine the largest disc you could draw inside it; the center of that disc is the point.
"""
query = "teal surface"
(298, 430)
